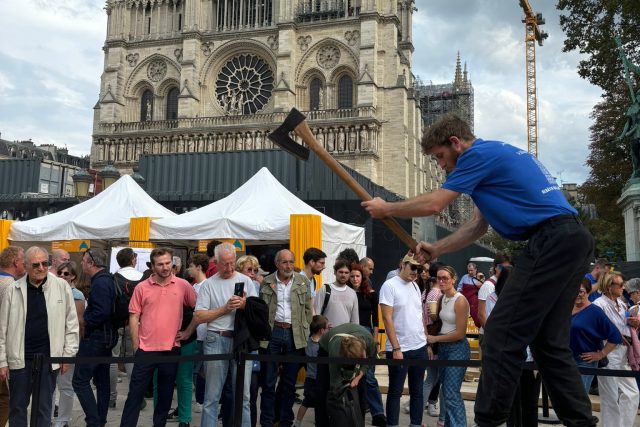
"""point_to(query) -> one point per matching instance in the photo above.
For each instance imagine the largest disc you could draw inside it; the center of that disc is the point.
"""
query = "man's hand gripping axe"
(296, 122)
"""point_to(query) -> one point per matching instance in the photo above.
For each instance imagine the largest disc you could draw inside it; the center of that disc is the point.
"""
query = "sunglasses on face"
(88, 251)
(43, 264)
(64, 273)
(414, 267)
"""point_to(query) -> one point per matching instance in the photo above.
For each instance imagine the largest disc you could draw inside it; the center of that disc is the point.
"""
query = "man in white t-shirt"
(342, 306)
(400, 303)
(216, 306)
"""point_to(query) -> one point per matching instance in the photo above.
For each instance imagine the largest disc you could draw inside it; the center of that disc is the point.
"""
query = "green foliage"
(590, 27)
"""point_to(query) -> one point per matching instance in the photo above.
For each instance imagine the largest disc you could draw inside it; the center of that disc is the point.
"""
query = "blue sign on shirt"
(511, 188)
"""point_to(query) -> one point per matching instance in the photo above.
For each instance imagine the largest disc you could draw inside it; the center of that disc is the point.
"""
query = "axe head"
(281, 137)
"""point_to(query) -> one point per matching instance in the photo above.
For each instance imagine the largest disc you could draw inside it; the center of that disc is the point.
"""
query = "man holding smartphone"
(218, 299)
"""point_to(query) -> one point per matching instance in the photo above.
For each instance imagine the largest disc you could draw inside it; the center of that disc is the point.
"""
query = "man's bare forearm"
(466, 234)
(425, 204)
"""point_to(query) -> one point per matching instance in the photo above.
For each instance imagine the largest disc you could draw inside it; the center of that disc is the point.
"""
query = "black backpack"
(124, 292)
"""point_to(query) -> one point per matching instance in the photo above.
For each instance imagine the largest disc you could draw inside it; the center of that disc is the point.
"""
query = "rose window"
(244, 85)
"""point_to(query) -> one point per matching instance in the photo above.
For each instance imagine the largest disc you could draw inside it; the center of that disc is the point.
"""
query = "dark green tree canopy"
(590, 27)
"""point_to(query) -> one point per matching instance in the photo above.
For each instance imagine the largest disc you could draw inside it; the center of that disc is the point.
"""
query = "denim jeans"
(20, 389)
(65, 401)
(216, 372)
(281, 343)
(374, 398)
(451, 379)
(586, 378)
(397, 376)
(140, 377)
(97, 343)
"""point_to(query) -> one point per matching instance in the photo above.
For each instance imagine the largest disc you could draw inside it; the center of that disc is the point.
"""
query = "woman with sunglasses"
(618, 395)
(368, 313)
(249, 266)
(453, 345)
(67, 271)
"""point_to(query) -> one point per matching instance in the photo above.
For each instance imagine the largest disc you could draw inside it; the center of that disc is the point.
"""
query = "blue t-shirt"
(512, 189)
(589, 328)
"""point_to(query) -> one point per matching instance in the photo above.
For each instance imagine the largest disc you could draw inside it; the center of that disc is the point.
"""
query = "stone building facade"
(219, 75)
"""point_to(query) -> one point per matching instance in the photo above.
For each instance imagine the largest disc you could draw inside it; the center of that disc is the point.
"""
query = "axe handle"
(304, 132)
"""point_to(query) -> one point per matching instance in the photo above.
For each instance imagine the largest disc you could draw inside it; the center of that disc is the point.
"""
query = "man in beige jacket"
(37, 316)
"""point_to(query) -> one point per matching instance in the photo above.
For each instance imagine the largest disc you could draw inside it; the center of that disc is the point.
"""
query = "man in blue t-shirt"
(520, 200)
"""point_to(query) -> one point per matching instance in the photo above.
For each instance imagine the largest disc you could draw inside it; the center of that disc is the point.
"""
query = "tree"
(590, 27)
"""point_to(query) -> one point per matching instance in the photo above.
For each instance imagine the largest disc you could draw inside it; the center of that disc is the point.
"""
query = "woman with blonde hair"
(453, 345)
(618, 395)
(249, 266)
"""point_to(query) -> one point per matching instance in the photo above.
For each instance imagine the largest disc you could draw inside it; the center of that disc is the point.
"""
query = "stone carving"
(352, 37)
(321, 99)
(304, 42)
(364, 138)
(156, 70)
(632, 125)
(112, 153)
(328, 56)
(149, 111)
(273, 42)
(207, 48)
(178, 54)
(132, 59)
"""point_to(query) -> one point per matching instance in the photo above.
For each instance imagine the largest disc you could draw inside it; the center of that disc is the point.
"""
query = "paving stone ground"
(468, 390)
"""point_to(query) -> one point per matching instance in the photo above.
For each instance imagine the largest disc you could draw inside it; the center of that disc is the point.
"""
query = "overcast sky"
(51, 61)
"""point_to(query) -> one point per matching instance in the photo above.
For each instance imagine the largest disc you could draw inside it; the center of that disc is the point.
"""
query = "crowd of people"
(173, 316)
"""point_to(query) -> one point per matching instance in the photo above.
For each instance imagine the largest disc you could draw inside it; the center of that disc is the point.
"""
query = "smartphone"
(239, 289)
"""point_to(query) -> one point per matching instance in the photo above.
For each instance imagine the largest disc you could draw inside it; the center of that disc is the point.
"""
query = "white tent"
(105, 216)
(259, 210)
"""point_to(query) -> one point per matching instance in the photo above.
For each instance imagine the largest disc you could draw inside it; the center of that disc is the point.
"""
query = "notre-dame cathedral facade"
(219, 75)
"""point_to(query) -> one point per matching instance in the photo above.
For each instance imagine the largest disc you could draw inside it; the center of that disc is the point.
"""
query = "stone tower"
(216, 75)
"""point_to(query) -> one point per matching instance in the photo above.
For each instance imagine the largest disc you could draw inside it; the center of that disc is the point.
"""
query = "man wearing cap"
(100, 337)
(400, 303)
(520, 199)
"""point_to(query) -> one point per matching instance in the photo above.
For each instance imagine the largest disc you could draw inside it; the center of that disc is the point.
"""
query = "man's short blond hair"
(9, 255)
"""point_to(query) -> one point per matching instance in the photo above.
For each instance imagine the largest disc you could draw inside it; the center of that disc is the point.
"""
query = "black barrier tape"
(320, 360)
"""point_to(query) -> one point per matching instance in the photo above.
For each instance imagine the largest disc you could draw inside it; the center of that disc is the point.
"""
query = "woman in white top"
(618, 395)
(453, 345)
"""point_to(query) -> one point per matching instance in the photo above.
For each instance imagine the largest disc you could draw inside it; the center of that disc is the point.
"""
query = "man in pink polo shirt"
(155, 318)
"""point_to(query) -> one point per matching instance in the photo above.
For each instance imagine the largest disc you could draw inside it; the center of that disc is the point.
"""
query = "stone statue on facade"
(364, 139)
(321, 99)
(632, 126)
(149, 112)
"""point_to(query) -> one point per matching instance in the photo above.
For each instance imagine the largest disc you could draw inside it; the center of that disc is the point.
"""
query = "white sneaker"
(407, 409)
(432, 410)
(197, 408)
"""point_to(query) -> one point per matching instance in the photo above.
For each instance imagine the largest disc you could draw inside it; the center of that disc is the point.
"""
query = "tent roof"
(260, 209)
(105, 216)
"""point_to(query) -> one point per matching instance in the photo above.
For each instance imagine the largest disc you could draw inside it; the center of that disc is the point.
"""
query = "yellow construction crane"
(532, 22)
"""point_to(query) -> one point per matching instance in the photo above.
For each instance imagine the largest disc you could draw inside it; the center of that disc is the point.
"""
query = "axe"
(296, 122)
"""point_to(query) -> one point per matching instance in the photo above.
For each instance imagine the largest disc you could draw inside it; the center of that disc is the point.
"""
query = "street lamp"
(81, 181)
(109, 175)
(139, 179)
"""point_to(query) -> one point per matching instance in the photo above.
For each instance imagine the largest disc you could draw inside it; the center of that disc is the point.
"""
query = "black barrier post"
(238, 401)
(37, 367)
